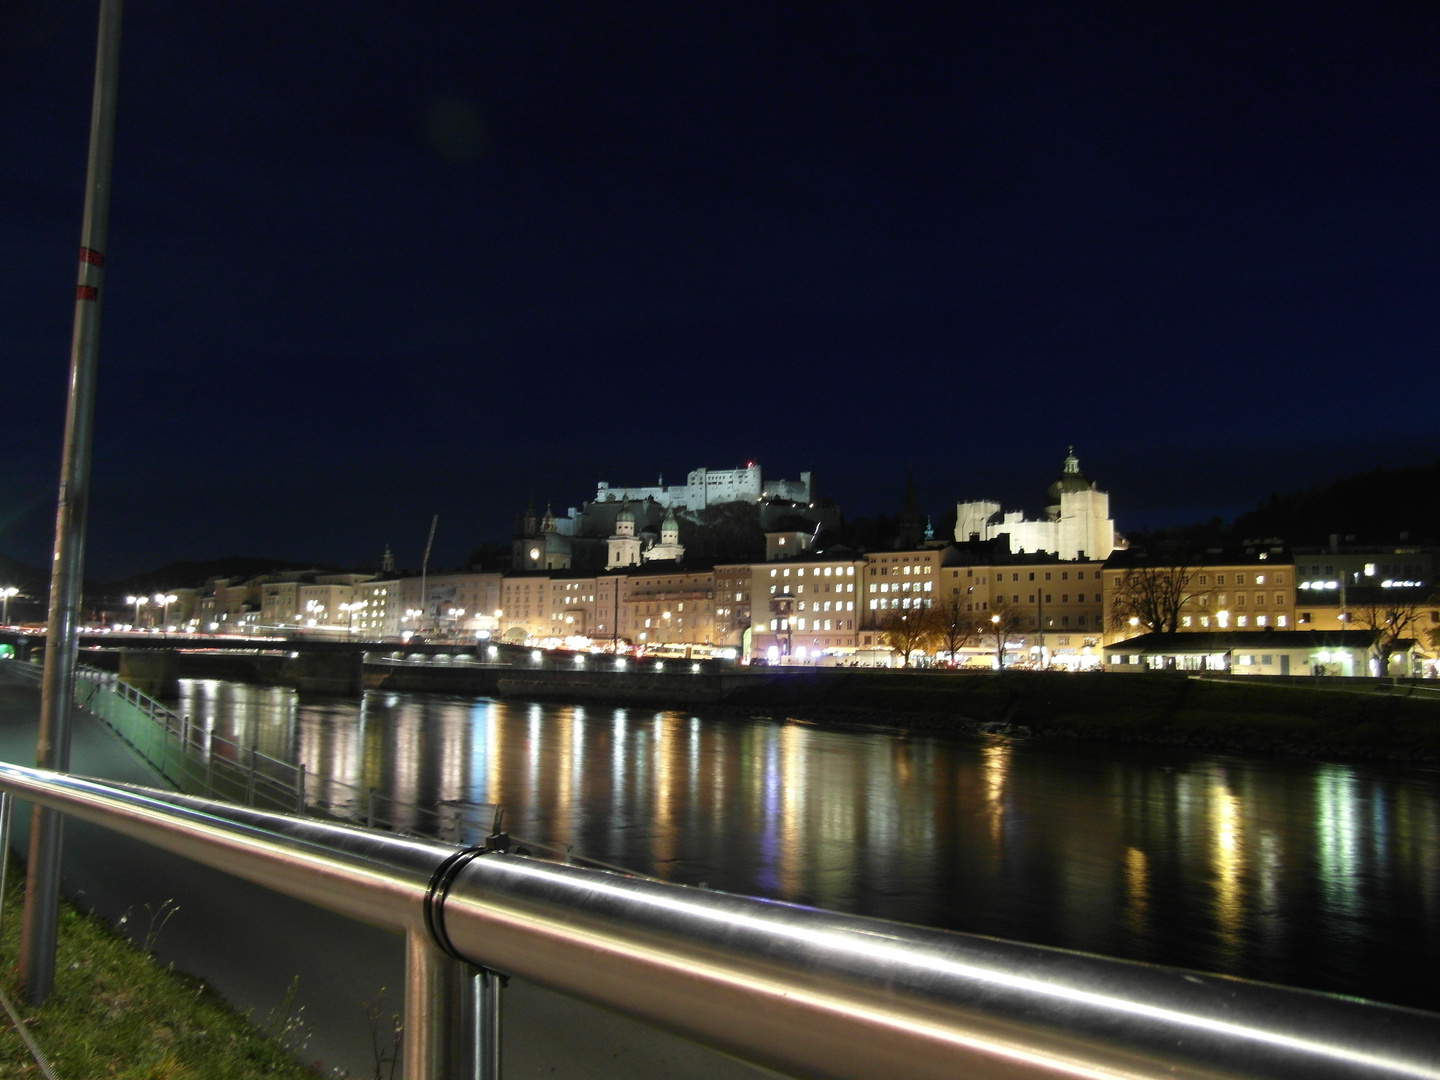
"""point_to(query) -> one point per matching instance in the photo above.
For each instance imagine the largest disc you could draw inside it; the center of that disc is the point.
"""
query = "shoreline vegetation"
(1160, 708)
(116, 1012)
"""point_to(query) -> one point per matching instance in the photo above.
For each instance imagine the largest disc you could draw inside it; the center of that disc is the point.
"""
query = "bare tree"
(958, 627)
(1153, 596)
(911, 631)
(1005, 622)
(1391, 615)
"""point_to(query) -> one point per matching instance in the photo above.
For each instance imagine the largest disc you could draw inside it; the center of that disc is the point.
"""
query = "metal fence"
(199, 762)
(808, 992)
(196, 761)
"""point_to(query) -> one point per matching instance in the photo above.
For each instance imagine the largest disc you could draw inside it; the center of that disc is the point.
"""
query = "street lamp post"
(137, 601)
(999, 643)
(7, 592)
(165, 600)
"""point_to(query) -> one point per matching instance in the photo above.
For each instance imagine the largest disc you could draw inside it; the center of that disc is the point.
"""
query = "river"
(1317, 874)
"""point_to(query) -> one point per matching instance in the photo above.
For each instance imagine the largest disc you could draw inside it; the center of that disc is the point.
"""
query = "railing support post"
(443, 1021)
(490, 985)
(7, 806)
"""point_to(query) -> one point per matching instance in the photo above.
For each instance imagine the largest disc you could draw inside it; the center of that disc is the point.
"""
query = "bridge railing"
(199, 762)
(807, 992)
(196, 761)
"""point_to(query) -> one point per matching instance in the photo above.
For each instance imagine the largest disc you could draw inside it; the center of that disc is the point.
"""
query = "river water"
(1317, 874)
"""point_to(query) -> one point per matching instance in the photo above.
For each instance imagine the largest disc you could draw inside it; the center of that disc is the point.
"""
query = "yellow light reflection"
(1137, 890)
(995, 767)
(1229, 866)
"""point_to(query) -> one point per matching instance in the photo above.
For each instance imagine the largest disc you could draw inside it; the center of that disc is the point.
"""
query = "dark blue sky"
(373, 261)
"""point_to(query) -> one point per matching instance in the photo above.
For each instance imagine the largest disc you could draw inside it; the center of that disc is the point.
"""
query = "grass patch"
(118, 1015)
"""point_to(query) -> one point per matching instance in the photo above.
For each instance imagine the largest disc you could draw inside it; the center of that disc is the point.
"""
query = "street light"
(7, 592)
(999, 643)
(137, 601)
(165, 600)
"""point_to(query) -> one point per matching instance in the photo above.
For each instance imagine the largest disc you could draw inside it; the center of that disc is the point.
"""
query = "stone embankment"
(1243, 715)
(1353, 719)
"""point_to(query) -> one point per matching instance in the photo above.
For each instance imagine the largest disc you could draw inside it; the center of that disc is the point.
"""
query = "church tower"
(624, 545)
(669, 546)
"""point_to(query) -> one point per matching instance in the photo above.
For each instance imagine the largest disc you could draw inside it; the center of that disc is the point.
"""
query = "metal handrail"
(805, 991)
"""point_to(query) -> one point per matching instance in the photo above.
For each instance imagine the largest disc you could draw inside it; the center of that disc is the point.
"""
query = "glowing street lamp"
(165, 600)
(6, 593)
(137, 601)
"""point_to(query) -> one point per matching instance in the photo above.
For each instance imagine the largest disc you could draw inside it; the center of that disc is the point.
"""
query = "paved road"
(250, 943)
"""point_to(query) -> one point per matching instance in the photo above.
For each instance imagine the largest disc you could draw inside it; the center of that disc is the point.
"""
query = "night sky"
(369, 262)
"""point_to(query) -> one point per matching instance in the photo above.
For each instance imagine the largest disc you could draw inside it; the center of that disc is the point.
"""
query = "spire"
(1072, 463)
(387, 561)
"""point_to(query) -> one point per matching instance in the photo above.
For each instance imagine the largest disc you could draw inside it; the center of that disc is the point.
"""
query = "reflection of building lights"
(1225, 828)
(1137, 888)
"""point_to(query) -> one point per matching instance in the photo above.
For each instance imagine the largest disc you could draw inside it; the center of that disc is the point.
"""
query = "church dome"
(626, 514)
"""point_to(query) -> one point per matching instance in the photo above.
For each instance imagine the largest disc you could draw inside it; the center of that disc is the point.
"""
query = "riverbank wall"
(1339, 718)
(1251, 715)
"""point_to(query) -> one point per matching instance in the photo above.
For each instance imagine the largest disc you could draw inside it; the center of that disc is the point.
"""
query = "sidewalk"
(249, 943)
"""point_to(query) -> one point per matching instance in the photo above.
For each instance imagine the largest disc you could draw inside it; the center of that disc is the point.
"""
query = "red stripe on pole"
(86, 292)
(91, 256)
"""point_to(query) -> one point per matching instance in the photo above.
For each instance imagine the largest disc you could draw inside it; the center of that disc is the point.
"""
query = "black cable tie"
(439, 891)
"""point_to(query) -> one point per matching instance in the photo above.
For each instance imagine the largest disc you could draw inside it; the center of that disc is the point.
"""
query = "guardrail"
(804, 991)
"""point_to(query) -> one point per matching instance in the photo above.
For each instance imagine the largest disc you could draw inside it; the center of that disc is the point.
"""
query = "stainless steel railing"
(804, 991)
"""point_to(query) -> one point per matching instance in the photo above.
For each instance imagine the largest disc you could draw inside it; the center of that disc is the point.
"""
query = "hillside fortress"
(708, 487)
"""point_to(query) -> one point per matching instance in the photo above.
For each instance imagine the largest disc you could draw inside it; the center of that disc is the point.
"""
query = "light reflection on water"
(1315, 874)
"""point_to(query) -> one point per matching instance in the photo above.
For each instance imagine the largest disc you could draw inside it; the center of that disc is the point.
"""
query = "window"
(1047, 597)
(1220, 580)
(1184, 620)
(1302, 618)
(1279, 599)
(1204, 578)
(1239, 579)
(1242, 620)
(1281, 620)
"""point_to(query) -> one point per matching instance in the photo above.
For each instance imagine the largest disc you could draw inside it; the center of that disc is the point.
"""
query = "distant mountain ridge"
(191, 574)
(1384, 506)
